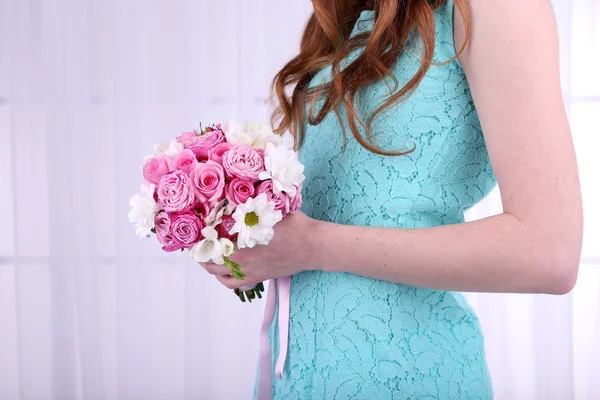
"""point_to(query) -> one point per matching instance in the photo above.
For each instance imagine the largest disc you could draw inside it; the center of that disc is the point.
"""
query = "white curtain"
(88, 311)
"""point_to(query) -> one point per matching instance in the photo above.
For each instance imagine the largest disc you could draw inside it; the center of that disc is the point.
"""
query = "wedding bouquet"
(216, 189)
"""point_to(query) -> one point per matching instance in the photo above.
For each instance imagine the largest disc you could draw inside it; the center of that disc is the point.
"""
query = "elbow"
(564, 279)
(556, 254)
(561, 271)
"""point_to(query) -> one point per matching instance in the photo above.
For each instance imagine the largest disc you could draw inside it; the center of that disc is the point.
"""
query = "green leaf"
(236, 269)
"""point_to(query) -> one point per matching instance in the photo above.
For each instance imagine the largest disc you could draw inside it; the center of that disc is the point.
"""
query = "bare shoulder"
(514, 18)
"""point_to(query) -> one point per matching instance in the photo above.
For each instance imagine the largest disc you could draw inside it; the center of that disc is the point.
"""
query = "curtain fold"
(89, 311)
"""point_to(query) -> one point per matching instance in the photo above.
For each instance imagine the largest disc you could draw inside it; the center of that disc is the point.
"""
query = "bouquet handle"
(250, 292)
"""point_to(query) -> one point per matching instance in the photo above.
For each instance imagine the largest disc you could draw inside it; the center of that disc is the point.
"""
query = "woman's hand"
(290, 251)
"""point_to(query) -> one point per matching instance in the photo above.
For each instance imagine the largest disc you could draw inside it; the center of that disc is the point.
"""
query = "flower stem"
(251, 294)
(240, 294)
(236, 269)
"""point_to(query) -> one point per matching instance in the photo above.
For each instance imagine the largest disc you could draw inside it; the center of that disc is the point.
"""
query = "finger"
(217, 270)
(206, 264)
(230, 282)
(243, 256)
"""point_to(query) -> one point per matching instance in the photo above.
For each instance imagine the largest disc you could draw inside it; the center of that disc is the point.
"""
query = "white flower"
(143, 210)
(254, 221)
(252, 133)
(283, 167)
(226, 246)
(211, 248)
(287, 139)
(169, 149)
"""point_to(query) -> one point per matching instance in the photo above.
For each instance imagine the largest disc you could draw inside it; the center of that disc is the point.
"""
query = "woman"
(406, 113)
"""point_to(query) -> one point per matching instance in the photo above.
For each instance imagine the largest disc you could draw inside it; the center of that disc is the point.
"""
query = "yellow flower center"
(251, 219)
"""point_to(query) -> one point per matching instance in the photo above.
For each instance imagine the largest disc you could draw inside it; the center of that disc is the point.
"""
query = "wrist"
(315, 257)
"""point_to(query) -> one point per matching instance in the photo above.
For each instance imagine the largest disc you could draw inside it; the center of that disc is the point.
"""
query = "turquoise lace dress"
(358, 338)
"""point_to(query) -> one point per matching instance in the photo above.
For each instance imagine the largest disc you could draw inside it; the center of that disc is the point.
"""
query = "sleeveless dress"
(352, 337)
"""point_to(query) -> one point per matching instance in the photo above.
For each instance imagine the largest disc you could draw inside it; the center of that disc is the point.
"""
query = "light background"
(87, 311)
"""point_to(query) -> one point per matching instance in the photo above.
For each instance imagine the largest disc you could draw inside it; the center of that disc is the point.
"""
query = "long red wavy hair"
(326, 41)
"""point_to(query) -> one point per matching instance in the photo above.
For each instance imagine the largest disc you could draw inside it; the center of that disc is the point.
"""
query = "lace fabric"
(353, 337)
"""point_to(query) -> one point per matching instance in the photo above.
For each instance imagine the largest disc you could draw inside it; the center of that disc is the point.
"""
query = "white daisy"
(254, 221)
(143, 210)
(283, 167)
(211, 248)
(252, 133)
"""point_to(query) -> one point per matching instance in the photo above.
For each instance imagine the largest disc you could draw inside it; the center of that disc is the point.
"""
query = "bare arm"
(534, 246)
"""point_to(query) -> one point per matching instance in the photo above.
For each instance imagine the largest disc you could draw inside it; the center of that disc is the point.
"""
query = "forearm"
(495, 254)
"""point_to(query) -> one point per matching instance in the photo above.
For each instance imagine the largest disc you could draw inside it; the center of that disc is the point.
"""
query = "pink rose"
(238, 191)
(280, 199)
(162, 223)
(205, 142)
(294, 204)
(155, 168)
(185, 161)
(187, 138)
(216, 153)
(168, 243)
(185, 229)
(201, 209)
(224, 227)
(175, 192)
(208, 181)
(243, 162)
